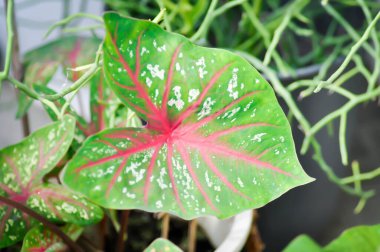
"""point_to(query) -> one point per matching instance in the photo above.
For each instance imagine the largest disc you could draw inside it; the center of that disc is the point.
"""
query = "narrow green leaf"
(162, 245)
(216, 140)
(42, 239)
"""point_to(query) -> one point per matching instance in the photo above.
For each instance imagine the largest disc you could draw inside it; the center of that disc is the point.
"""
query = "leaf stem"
(123, 231)
(44, 221)
(160, 16)
(192, 235)
(165, 226)
(206, 22)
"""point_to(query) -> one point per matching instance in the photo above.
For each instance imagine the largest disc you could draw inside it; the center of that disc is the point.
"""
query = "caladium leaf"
(41, 239)
(42, 63)
(162, 245)
(60, 204)
(23, 167)
(216, 140)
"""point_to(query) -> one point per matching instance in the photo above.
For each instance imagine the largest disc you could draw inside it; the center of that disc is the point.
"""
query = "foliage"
(177, 163)
(23, 167)
(180, 128)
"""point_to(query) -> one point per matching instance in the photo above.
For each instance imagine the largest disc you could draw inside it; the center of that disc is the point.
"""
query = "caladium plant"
(216, 141)
(23, 167)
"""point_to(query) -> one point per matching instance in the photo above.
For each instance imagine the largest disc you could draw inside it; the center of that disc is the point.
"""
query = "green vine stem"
(206, 22)
(70, 243)
(10, 37)
(67, 20)
(160, 16)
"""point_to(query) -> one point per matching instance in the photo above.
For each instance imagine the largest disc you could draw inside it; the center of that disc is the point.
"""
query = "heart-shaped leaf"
(23, 166)
(42, 63)
(162, 245)
(216, 140)
(41, 239)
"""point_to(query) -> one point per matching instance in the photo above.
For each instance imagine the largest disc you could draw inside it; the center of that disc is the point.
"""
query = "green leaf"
(356, 239)
(162, 245)
(42, 63)
(303, 243)
(23, 166)
(216, 140)
(360, 238)
(42, 239)
(59, 204)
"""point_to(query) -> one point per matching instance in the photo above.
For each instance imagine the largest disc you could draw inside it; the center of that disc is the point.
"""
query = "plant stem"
(159, 16)
(10, 37)
(17, 67)
(206, 22)
(70, 243)
(254, 242)
(123, 231)
(353, 50)
(192, 235)
(336, 113)
(362, 176)
(165, 226)
(342, 139)
(68, 19)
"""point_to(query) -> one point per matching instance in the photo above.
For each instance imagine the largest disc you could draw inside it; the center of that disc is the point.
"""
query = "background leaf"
(42, 63)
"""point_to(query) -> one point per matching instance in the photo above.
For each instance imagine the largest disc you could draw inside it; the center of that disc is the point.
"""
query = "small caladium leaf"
(216, 140)
(42, 63)
(41, 239)
(22, 167)
(162, 245)
(59, 204)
